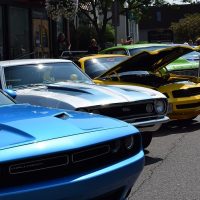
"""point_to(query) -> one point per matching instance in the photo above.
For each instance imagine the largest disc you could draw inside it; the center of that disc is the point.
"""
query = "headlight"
(149, 108)
(129, 142)
(159, 106)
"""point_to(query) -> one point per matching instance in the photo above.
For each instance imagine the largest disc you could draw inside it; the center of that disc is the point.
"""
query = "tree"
(92, 9)
(188, 28)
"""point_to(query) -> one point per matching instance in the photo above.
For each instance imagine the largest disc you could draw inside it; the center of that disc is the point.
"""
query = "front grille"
(129, 112)
(186, 92)
(187, 106)
(64, 164)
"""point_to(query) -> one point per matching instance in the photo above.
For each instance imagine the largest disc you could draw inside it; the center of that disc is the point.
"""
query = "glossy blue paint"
(11, 93)
(30, 131)
(82, 186)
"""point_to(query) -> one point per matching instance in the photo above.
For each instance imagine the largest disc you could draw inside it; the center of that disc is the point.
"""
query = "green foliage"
(187, 28)
(110, 33)
(93, 9)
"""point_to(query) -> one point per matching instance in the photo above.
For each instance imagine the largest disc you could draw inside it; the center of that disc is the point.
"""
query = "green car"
(185, 65)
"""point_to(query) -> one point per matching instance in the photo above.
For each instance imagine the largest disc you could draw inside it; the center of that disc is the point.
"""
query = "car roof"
(131, 46)
(8, 63)
(101, 56)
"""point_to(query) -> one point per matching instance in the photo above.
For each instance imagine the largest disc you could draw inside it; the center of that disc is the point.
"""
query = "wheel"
(146, 139)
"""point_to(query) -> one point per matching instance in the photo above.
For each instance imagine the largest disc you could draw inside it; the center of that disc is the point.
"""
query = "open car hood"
(151, 61)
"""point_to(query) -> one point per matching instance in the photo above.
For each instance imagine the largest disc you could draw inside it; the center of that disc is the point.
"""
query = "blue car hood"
(24, 124)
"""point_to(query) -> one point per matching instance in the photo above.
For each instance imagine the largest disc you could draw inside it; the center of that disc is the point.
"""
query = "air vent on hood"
(62, 116)
(67, 89)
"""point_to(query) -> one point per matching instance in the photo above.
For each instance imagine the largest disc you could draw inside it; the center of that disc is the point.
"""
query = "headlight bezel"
(160, 106)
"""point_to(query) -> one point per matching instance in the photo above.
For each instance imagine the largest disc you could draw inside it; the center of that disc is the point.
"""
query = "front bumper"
(83, 186)
(150, 125)
(184, 108)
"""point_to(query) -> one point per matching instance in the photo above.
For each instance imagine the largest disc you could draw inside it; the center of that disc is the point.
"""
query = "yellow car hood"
(151, 61)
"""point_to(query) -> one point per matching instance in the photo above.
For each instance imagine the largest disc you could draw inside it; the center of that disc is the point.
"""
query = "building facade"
(26, 31)
(155, 24)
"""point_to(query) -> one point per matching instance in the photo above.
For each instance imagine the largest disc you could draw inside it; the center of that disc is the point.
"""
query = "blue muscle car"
(60, 83)
(53, 154)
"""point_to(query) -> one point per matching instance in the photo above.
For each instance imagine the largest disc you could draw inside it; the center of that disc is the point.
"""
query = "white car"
(60, 83)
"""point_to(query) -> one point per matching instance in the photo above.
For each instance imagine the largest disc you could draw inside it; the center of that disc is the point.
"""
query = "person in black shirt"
(93, 48)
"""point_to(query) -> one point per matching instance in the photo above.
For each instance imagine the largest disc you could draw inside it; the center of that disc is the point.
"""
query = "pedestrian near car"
(63, 44)
(93, 47)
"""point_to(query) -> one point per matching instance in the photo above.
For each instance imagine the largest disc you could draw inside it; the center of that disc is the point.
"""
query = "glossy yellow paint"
(190, 105)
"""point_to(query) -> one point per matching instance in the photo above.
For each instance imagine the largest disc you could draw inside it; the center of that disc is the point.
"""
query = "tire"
(146, 139)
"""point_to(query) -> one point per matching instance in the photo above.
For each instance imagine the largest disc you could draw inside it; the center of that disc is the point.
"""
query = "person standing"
(63, 45)
(93, 47)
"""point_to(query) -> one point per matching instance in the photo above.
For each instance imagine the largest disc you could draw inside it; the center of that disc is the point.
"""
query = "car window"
(135, 51)
(45, 73)
(119, 52)
(192, 56)
(97, 66)
(4, 100)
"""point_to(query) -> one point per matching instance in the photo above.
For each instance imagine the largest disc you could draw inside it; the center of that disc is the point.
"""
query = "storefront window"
(40, 34)
(1, 35)
(19, 32)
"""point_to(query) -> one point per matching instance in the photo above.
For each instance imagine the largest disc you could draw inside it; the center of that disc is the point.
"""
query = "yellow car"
(148, 69)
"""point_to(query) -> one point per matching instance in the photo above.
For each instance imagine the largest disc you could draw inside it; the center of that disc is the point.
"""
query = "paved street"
(172, 169)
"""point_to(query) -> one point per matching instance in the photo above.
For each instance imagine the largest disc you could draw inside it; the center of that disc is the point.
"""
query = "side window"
(119, 51)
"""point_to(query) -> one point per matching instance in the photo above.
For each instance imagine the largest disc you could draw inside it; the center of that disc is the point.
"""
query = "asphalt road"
(172, 169)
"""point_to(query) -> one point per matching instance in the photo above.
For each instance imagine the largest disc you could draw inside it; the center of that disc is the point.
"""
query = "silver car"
(60, 83)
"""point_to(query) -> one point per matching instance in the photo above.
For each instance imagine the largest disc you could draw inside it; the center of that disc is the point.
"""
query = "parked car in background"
(61, 84)
(95, 65)
(185, 65)
(54, 154)
(149, 69)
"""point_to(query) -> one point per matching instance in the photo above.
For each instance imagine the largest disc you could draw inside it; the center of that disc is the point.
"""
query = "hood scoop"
(66, 88)
(62, 116)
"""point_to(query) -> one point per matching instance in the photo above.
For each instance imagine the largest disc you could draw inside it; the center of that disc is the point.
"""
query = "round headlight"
(149, 108)
(159, 106)
(129, 142)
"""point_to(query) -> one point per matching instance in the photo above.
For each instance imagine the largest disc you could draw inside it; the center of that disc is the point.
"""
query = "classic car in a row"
(61, 84)
(148, 69)
(53, 154)
(186, 65)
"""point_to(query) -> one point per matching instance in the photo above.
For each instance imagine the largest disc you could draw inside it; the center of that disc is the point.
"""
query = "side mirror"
(11, 93)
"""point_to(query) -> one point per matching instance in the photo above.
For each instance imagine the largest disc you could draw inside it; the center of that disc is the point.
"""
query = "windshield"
(135, 51)
(97, 66)
(27, 75)
(192, 56)
(4, 100)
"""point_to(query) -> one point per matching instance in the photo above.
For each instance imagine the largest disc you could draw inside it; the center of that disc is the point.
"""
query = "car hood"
(87, 95)
(24, 124)
(151, 61)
